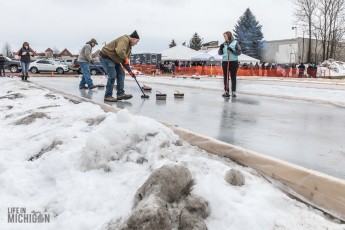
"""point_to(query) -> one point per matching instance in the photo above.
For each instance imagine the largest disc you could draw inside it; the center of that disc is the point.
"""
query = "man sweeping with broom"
(84, 60)
(112, 56)
(230, 50)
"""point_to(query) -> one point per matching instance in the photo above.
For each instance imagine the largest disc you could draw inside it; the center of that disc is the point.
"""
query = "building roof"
(49, 50)
(65, 52)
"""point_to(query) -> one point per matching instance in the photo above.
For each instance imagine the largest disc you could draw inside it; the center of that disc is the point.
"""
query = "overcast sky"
(70, 23)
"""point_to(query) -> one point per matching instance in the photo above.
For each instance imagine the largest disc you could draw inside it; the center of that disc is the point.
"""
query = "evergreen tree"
(248, 34)
(195, 42)
(172, 44)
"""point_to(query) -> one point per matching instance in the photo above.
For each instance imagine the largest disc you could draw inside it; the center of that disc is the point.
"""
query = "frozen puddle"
(83, 168)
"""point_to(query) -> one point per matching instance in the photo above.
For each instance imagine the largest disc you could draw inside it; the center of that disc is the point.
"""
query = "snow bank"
(83, 167)
(332, 68)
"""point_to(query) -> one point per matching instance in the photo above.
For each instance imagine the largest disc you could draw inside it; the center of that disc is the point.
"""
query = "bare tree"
(336, 31)
(324, 9)
(324, 20)
(304, 14)
(317, 33)
(7, 50)
(56, 51)
(332, 16)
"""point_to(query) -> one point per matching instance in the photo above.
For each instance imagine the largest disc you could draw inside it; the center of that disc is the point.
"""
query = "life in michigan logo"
(20, 215)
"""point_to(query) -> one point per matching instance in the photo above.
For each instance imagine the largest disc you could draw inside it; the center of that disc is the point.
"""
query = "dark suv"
(95, 68)
(12, 65)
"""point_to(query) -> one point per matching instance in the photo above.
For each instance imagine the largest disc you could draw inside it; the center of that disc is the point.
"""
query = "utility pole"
(303, 48)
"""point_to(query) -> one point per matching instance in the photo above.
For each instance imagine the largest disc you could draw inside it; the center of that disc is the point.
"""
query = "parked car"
(12, 65)
(69, 62)
(47, 66)
(75, 67)
(95, 68)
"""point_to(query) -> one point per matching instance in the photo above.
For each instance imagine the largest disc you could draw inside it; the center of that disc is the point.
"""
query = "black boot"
(23, 77)
(226, 94)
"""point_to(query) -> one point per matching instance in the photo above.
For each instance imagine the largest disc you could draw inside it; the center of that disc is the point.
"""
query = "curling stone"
(146, 88)
(178, 94)
(161, 96)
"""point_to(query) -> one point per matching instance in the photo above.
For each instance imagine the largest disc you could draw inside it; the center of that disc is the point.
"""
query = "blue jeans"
(114, 71)
(86, 79)
(25, 67)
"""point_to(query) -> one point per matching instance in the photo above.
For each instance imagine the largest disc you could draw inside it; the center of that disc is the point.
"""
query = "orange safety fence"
(217, 71)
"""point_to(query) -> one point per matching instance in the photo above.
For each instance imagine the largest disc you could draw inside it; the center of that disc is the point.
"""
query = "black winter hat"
(135, 35)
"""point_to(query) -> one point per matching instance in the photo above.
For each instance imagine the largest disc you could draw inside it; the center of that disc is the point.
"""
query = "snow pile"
(335, 68)
(84, 166)
(164, 202)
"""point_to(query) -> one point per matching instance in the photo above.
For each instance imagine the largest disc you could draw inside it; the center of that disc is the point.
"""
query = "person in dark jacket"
(287, 69)
(25, 54)
(293, 68)
(311, 70)
(301, 69)
(84, 60)
(2, 66)
(230, 50)
(263, 68)
(112, 56)
(314, 70)
(256, 69)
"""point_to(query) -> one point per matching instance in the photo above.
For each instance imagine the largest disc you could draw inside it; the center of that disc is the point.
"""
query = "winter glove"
(127, 67)
(129, 70)
(231, 50)
(92, 62)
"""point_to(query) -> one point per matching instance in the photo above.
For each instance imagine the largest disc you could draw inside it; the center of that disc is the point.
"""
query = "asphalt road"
(301, 132)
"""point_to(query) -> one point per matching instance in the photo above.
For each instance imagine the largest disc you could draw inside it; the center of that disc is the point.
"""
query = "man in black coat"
(301, 69)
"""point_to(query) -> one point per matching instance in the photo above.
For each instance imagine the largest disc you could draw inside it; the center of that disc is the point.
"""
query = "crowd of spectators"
(252, 69)
(286, 70)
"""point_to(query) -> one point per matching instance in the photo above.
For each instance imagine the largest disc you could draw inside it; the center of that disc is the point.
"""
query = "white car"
(47, 66)
(67, 62)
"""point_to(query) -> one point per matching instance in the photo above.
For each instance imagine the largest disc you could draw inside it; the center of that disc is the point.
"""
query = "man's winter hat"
(135, 35)
(93, 41)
